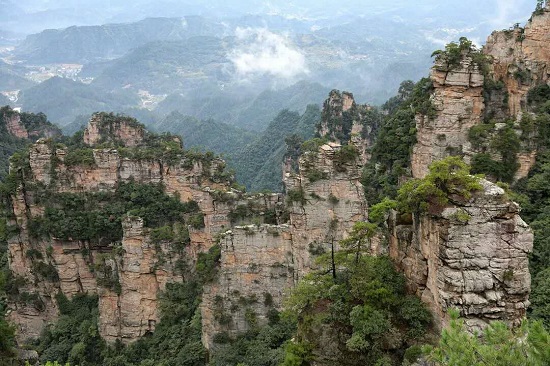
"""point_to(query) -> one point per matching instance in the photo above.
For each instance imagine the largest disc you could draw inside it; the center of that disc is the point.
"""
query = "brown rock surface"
(256, 271)
(458, 100)
(479, 267)
(521, 51)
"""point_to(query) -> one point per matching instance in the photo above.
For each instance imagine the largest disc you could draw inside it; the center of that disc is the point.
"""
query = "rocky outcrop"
(14, 125)
(521, 58)
(458, 102)
(260, 263)
(344, 121)
(325, 199)
(139, 268)
(143, 270)
(256, 271)
(473, 256)
(105, 127)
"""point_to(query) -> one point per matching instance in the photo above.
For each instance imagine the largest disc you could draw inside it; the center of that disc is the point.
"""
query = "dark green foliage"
(505, 142)
(540, 297)
(83, 157)
(296, 195)
(538, 94)
(258, 165)
(208, 135)
(7, 331)
(362, 306)
(36, 124)
(259, 347)
(74, 337)
(527, 345)
(97, 217)
(454, 53)
(207, 264)
(176, 340)
(447, 178)
(395, 139)
(314, 175)
(345, 156)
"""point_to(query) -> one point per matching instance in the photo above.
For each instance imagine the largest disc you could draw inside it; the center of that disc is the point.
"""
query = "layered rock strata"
(458, 102)
(521, 58)
(473, 257)
(132, 311)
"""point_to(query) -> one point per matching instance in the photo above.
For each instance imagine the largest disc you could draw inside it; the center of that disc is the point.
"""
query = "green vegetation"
(176, 341)
(37, 124)
(505, 142)
(500, 345)
(396, 137)
(363, 309)
(455, 52)
(260, 346)
(448, 180)
(97, 217)
(258, 164)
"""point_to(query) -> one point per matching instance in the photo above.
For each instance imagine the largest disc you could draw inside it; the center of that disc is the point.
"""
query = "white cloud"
(261, 52)
(505, 12)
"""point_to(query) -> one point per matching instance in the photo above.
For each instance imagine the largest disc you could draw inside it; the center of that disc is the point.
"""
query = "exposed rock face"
(134, 312)
(14, 125)
(458, 101)
(345, 121)
(521, 58)
(260, 264)
(473, 257)
(106, 127)
(256, 271)
(328, 207)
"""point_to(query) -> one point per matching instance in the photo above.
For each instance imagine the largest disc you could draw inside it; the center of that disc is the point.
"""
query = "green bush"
(446, 178)
(364, 305)
(80, 157)
(296, 195)
(207, 264)
(346, 155)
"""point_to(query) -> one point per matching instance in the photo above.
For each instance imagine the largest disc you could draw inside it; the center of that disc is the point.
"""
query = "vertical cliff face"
(516, 61)
(259, 263)
(14, 125)
(458, 102)
(325, 199)
(143, 270)
(256, 271)
(473, 256)
(521, 58)
(343, 121)
(104, 128)
(127, 276)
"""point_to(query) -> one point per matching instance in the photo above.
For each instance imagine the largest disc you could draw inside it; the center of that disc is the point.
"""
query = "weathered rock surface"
(14, 126)
(142, 275)
(343, 121)
(458, 101)
(521, 58)
(133, 311)
(107, 128)
(328, 207)
(256, 271)
(472, 257)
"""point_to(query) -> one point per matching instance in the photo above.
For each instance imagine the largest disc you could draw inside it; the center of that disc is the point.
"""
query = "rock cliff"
(140, 268)
(473, 256)
(485, 90)
(458, 102)
(260, 263)
(521, 58)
